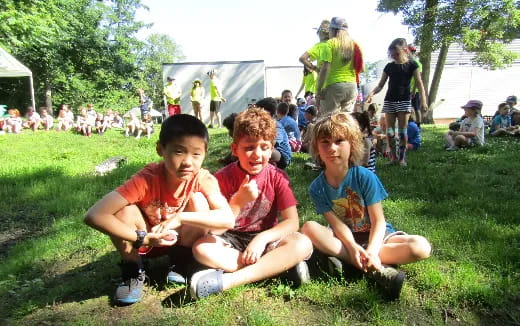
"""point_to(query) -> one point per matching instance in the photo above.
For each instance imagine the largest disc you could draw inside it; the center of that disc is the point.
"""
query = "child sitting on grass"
(290, 126)
(133, 125)
(174, 197)
(471, 130)
(414, 133)
(146, 126)
(349, 197)
(501, 124)
(258, 247)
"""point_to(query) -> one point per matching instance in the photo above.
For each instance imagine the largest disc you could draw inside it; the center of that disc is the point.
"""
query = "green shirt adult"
(339, 71)
(309, 82)
(315, 53)
(215, 90)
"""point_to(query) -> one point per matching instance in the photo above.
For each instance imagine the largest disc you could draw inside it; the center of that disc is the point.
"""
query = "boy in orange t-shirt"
(173, 202)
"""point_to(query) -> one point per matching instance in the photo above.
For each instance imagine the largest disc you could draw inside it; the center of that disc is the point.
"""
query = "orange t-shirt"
(148, 190)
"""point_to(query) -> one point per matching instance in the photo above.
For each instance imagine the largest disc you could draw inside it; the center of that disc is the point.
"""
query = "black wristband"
(140, 239)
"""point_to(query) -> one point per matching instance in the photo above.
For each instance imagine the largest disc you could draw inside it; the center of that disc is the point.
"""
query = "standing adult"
(144, 102)
(342, 63)
(215, 88)
(314, 54)
(414, 87)
(197, 94)
(173, 96)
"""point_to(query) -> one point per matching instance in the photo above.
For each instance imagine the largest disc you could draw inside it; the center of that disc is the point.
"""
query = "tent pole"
(32, 92)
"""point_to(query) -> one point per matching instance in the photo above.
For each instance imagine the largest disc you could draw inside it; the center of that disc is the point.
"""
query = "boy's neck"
(335, 175)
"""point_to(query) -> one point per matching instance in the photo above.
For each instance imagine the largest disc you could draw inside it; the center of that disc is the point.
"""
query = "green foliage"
(81, 51)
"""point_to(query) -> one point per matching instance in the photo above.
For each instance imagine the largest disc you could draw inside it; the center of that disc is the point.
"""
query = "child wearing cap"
(471, 129)
(501, 123)
(173, 96)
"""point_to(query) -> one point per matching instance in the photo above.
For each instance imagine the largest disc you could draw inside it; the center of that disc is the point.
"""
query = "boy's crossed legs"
(278, 257)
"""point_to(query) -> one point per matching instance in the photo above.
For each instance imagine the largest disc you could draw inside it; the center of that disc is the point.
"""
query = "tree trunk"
(436, 80)
(48, 96)
(439, 67)
(426, 40)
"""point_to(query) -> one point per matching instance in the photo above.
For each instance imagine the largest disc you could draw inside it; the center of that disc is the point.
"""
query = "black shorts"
(214, 106)
(238, 240)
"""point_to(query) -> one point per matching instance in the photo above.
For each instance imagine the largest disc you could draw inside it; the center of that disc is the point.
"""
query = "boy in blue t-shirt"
(349, 197)
(290, 126)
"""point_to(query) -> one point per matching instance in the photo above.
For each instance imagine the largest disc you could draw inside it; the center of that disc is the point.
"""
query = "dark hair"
(363, 120)
(268, 104)
(181, 125)
(228, 122)
(282, 108)
(372, 106)
(286, 91)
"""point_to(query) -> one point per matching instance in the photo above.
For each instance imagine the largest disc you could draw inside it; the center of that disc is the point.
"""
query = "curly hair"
(254, 122)
(340, 125)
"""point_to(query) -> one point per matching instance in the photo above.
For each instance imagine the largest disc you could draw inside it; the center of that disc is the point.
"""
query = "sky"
(276, 31)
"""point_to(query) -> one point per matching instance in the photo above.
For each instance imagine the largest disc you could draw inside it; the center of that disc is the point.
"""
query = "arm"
(324, 72)
(102, 217)
(377, 233)
(419, 84)
(288, 225)
(301, 88)
(305, 60)
(220, 215)
(378, 88)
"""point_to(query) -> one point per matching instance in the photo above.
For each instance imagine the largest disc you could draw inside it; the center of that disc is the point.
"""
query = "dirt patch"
(8, 238)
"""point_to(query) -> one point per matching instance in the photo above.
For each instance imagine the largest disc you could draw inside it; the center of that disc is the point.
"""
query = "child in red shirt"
(258, 247)
(173, 202)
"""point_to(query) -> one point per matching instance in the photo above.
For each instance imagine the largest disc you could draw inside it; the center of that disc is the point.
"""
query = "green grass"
(56, 270)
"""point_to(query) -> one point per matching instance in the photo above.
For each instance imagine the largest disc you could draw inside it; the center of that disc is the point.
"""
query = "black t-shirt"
(399, 76)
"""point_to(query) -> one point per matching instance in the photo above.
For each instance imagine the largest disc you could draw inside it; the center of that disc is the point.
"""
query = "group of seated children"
(242, 223)
(86, 122)
(469, 130)
(137, 126)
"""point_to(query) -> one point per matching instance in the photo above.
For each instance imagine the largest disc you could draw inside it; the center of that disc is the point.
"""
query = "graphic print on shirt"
(253, 213)
(352, 211)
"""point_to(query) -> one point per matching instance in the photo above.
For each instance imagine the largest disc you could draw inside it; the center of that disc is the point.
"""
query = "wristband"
(140, 239)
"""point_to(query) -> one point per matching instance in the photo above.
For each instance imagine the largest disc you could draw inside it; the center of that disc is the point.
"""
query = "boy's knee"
(302, 245)
(420, 247)
(197, 203)
(309, 227)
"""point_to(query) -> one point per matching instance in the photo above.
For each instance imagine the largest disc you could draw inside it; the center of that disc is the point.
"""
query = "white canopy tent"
(10, 67)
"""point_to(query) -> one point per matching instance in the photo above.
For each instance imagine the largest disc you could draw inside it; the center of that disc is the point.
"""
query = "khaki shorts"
(338, 97)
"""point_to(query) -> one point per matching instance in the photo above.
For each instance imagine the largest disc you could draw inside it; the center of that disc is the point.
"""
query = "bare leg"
(131, 216)
(404, 249)
(390, 135)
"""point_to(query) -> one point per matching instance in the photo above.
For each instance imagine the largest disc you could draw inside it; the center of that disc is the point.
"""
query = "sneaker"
(299, 274)
(174, 277)
(390, 280)
(452, 148)
(131, 289)
(335, 266)
(206, 283)
(403, 164)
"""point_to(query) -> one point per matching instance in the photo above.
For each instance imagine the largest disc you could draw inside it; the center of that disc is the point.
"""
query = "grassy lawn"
(56, 270)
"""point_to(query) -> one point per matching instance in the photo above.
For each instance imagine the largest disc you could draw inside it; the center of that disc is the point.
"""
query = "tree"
(480, 26)
(157, 49)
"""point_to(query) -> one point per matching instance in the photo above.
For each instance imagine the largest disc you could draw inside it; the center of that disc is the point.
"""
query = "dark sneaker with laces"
(131, 289)
(390, 280)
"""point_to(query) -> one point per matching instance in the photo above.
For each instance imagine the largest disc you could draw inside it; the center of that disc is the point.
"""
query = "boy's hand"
(163, 239)
(248, 191)
(358, 256)
(254, 251)
(172, 223)
(372, 261)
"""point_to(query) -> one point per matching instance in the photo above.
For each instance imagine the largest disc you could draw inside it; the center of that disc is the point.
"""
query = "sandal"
(205, 283)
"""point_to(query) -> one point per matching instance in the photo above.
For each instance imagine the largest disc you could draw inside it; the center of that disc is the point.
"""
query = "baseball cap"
(476, 104)
(324, 26)
(311, 110)
(338, 23)
(170, 78)
(511, 99)
(301, 101)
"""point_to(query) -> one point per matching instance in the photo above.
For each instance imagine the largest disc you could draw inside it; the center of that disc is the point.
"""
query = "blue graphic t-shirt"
(360, 189)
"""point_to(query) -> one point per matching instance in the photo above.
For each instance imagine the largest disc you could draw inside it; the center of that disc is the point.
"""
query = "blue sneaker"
(131, 289)
(174, 277)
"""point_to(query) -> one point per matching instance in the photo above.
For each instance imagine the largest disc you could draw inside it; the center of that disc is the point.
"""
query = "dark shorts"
(238, 240)
(214, 106)
(363, 237)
